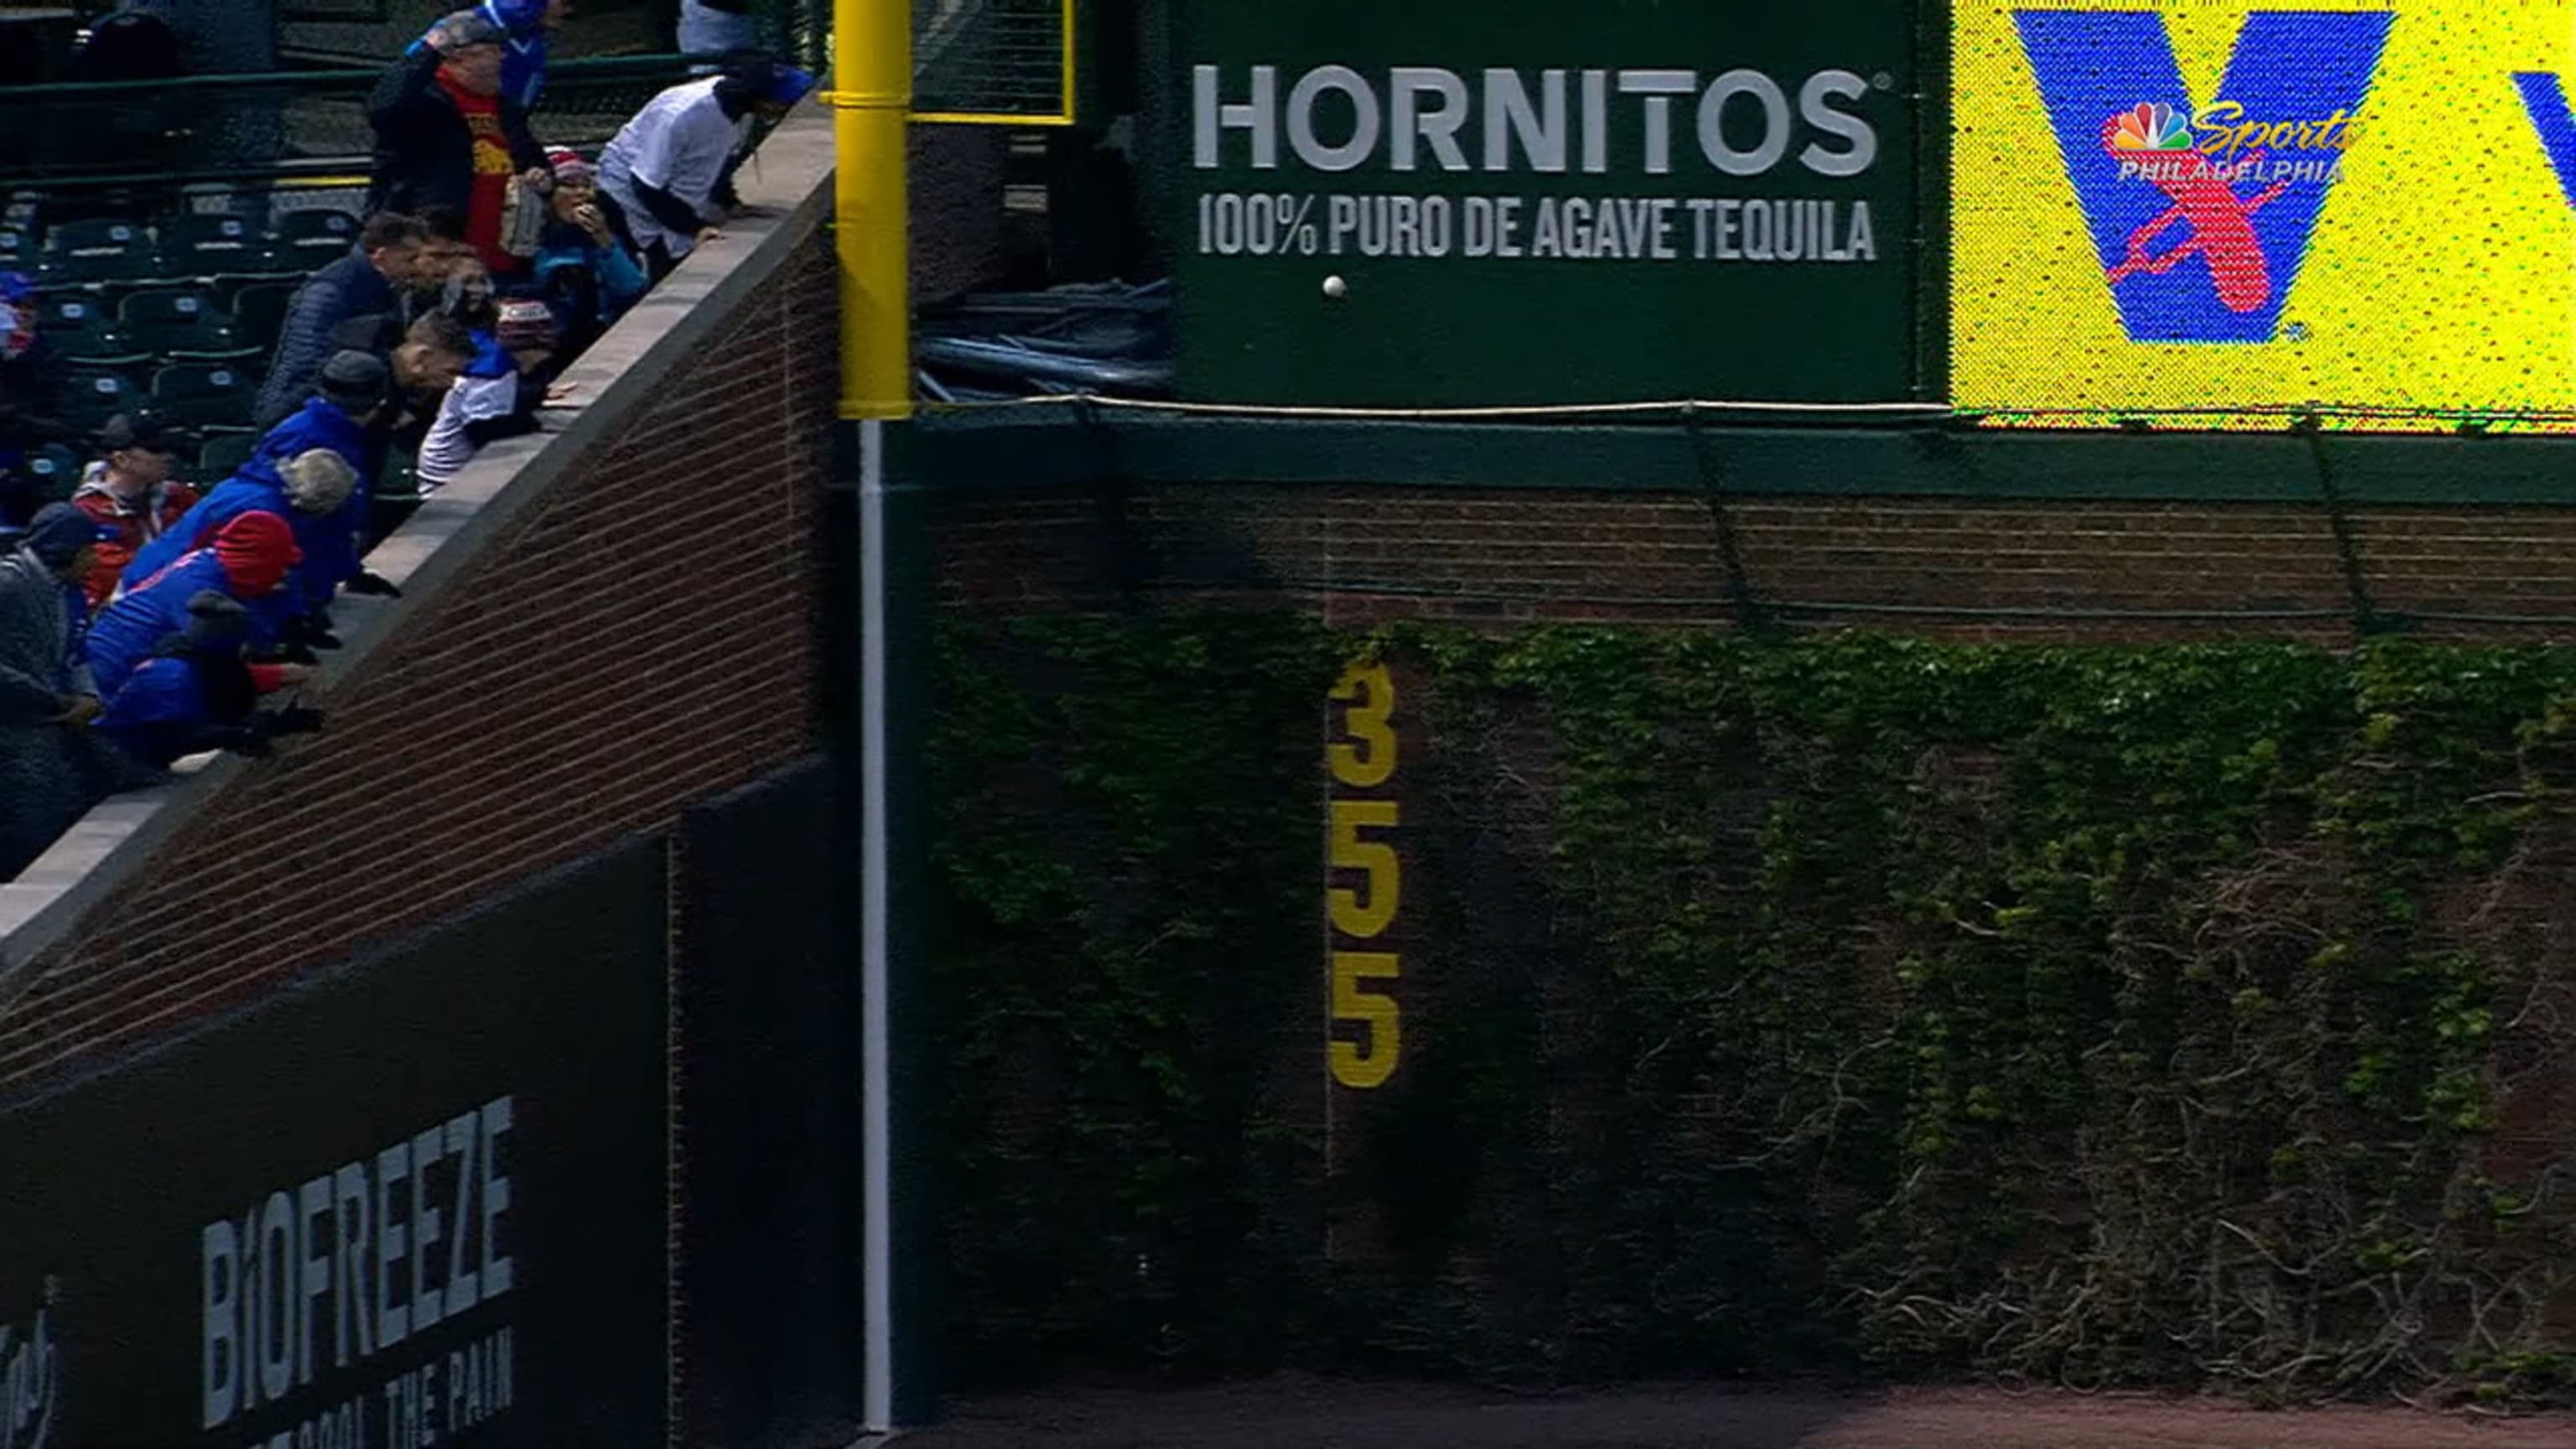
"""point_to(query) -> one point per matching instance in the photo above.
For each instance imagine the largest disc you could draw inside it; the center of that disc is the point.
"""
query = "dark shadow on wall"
(767, 1063)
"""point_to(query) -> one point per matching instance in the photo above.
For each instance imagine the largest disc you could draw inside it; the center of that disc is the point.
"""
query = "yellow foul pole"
(871, 108)
(872, 104)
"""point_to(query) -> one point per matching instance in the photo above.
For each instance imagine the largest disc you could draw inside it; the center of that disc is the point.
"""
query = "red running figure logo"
(2222, 231)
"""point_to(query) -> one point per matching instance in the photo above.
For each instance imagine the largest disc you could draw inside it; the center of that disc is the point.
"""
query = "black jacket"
(349, 287)
(424, 151)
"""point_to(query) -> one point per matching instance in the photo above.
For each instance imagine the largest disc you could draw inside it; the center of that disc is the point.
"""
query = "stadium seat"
(394, 498)
(225, 450)
(90, 396)
(308, 241)
(17, 249)
(259, 312)
(56, 471)
(79, 328)
(96, 249)
(183, 325)
(204, 394)
(400, 480)
(212, 246)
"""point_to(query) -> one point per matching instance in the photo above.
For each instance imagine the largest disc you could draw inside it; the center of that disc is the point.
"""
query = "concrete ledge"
(789, 188)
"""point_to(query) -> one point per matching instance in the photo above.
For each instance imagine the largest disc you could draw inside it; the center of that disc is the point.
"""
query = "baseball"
(1335, 286)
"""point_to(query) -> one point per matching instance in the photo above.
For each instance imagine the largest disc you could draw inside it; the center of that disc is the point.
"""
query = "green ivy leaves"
(2108, 1015)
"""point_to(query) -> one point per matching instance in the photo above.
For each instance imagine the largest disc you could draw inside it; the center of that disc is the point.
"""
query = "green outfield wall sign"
(1538, 201)
(418, 1200)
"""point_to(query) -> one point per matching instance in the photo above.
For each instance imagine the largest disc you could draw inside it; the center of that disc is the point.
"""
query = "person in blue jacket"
(309, 493)
(526, 24)
(583, 268)
(327, 527)
(197, 691)
(249, 560)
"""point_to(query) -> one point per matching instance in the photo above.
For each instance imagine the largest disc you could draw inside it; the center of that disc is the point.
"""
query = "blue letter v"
(2546, 102)
(2175, 231)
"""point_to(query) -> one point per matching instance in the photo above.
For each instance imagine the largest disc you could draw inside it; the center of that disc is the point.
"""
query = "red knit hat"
(567, 165)
(256, 550)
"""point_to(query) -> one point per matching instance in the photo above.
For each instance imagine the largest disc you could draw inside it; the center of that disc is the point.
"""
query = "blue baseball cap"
(519, 17)
(787, 85)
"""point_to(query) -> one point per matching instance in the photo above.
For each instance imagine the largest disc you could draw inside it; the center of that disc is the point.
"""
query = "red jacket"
(136, 524)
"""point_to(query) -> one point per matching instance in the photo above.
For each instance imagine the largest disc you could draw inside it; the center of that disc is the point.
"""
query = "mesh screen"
(370, 32)
(990, 57)
(250, 128)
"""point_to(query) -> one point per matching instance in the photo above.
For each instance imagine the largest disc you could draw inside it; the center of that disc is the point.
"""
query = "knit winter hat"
(354, 380)
(256, 550)
(526, 325)
(567, 165)
(317, 480)
(58, 533)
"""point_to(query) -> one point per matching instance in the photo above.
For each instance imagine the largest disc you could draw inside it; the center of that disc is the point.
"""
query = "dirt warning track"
(1293, 1412)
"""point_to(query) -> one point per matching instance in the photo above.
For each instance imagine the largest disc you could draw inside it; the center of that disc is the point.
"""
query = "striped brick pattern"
(2008, 569)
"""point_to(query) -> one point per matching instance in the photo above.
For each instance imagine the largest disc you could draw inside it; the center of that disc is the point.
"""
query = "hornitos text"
(1668, 122)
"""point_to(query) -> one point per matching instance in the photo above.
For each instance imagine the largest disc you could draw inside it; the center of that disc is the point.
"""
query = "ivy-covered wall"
(2183, 1015)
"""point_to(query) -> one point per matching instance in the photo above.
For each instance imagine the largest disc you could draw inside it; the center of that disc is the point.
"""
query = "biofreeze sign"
(1333, 119)
(1465, 203)
(340, 1270)
(417, 1204)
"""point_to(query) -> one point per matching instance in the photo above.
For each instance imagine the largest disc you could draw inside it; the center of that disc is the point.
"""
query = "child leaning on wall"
(498, 394)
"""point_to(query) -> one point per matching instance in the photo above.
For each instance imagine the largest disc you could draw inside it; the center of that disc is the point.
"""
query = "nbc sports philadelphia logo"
(2152, 142)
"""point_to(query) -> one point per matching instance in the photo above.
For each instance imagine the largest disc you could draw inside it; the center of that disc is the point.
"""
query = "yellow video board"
(2220, 211)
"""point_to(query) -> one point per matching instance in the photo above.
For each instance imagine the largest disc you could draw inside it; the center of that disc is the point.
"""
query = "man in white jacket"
(668, 169)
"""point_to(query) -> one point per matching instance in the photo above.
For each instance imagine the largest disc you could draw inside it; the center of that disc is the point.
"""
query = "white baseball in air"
(1335, 287)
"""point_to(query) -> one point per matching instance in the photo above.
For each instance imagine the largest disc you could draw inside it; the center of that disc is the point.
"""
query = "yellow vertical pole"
(871, 107)
(871, 111)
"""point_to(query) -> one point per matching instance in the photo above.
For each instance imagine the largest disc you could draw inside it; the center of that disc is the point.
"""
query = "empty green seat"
(225, 451)
(204, 394)
(212, 246)
(182, 324)
(308, 241)
(80, 328)
(56, 471)
(259, 313)
(91, 396)
(96, 249)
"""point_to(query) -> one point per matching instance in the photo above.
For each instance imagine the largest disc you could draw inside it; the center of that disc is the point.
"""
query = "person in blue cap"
(526, 25)
(669, 169)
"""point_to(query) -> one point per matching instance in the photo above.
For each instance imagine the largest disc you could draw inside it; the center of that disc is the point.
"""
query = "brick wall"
(640, 635)
(1946, 566)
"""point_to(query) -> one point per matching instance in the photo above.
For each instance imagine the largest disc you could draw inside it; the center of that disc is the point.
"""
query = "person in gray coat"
(51, 772)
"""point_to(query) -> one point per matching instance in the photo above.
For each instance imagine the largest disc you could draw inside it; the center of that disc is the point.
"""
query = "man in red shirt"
(446, 136)
(130, 492)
